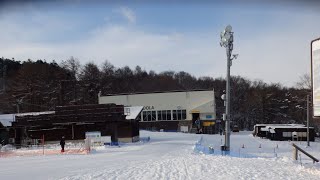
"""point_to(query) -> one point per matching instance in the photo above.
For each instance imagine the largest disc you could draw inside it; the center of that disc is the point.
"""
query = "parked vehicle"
(235, 128)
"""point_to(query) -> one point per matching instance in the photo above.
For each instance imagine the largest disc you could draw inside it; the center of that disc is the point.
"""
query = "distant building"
(260, 130)
(171, 111)
(281, 132)
(73, 122)
(6, 123)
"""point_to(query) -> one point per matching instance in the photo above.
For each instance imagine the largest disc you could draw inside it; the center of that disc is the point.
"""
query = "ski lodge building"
(171, 111)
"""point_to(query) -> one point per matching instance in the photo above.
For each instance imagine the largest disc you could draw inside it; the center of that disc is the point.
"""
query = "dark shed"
(74, 121)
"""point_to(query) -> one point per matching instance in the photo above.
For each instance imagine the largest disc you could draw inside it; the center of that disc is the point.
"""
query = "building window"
(179, 114)
(184, 114)
(168, 114)
(159, 115)
(286, 134)
(139, 117)
(164, 115)
(149, 115)
(144, 116)
(174, 114)
(153, 116)
(302, 134)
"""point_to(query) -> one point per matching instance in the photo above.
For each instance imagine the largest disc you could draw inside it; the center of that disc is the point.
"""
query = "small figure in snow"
(200, 131)
(220, 131)
(62, 143)
(197, 122)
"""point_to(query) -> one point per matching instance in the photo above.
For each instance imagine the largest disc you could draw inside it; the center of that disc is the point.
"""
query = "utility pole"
(4, 74)
(227, 42)
(18, 109)
(19, 101)
(4, 77)
(308, 121)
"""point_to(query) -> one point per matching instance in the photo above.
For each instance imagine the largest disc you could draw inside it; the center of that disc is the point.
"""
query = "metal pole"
(43, 144)
(308, 120)
(18, 109)
(227, 42)
(227, 134)
(4, 77)
(72, 131)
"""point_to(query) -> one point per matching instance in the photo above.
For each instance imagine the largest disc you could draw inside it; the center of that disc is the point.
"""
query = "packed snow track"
(167, 156)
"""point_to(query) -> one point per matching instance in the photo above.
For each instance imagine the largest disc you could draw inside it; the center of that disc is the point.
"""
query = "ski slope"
(171, 156)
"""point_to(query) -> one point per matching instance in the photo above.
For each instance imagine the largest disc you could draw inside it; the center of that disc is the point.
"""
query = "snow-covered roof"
(7, 119)
(286, 127)
(300, 125)
(272, 131)
(35, 113)
(203, 108)
(132, 112)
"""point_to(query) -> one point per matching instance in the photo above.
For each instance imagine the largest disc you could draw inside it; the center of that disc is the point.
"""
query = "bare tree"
(73, 65)
(107, 68)
(304, 82)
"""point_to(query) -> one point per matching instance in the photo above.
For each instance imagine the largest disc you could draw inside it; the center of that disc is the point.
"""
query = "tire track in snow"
(182, 163)
(205, 167)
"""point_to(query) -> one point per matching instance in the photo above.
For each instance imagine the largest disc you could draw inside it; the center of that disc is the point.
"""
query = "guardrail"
(295, 153)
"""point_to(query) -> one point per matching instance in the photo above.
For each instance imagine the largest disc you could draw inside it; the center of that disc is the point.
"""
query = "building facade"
(284, 132)
(169, 111)
(73, 122)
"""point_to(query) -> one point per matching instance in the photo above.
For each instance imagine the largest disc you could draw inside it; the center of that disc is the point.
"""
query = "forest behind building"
(30, 86)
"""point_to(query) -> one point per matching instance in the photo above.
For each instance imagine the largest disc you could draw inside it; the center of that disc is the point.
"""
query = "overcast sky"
(272, 39)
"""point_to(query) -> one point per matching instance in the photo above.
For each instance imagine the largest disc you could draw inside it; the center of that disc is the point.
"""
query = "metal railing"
(295, 153)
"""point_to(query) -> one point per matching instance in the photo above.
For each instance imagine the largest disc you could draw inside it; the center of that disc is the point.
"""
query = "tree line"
(41, 86)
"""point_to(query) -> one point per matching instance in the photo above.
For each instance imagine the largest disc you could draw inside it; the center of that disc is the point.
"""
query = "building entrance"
(195, 116)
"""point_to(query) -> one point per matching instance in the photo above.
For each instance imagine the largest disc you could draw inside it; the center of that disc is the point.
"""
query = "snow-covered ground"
(171, 156)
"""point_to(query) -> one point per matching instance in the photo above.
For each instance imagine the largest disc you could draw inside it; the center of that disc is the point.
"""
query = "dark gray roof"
(133, 93)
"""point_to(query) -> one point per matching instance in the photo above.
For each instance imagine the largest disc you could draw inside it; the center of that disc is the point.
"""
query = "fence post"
(87, 145)
(295, 153)
(43, 144)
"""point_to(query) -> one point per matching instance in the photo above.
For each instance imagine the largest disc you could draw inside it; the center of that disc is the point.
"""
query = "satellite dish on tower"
(228, 28)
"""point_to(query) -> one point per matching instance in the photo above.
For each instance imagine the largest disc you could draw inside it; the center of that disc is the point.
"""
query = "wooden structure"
(73, 122)
(295, 153)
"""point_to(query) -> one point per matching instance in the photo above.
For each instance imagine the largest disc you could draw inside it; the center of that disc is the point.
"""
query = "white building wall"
(168, 101)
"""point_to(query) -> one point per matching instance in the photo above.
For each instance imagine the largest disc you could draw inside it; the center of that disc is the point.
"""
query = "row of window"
(299, 134)
(163, 115)
(149, 115)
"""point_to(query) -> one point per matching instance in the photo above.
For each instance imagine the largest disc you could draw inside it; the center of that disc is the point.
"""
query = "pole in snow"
(308, 121)
(227, 42)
